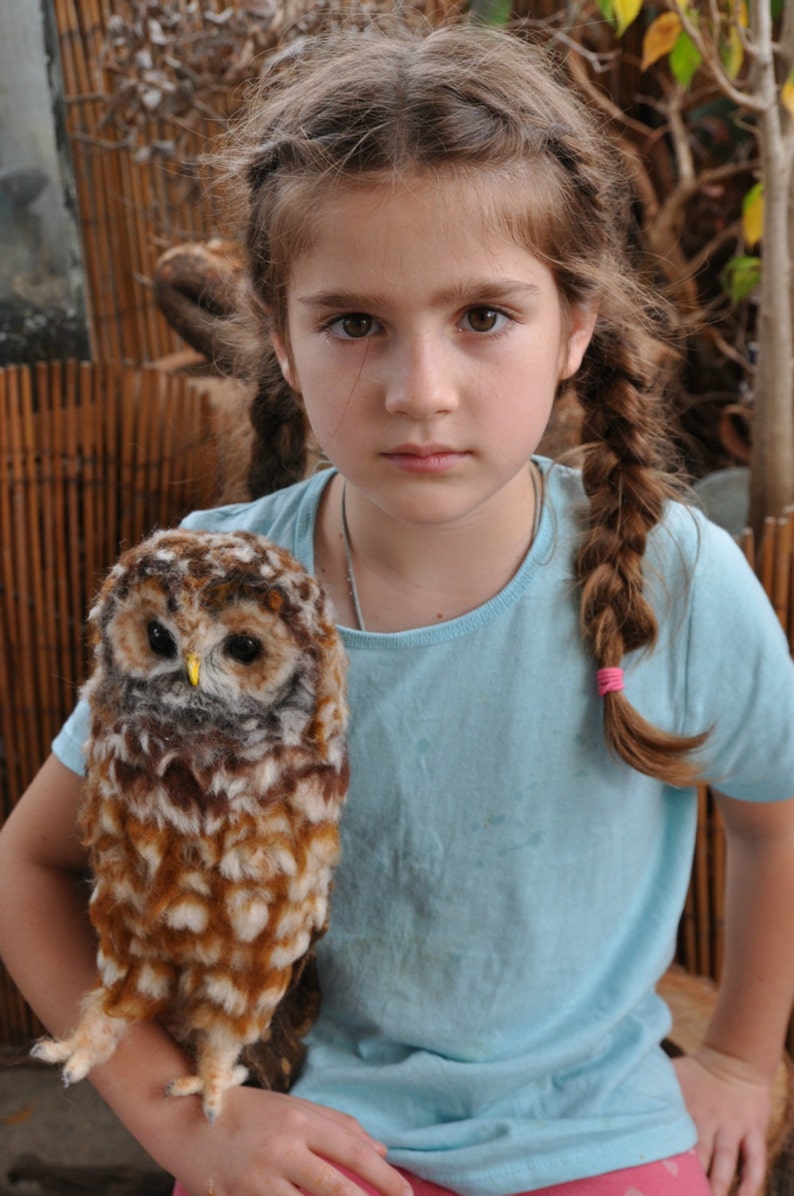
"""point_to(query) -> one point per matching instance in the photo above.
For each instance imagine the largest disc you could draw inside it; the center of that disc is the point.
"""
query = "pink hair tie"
(610, 681)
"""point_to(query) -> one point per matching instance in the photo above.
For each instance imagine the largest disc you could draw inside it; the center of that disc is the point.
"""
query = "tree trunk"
(772, 476)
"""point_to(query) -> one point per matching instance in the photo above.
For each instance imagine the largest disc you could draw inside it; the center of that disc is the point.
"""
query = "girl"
(542, 663)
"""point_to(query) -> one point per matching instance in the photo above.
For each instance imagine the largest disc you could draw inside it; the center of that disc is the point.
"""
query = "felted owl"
(216, 775)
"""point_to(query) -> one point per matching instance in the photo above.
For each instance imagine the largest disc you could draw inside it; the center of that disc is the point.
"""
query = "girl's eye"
(161, 642)
(484, 319)
(245, 649)
(354, 326)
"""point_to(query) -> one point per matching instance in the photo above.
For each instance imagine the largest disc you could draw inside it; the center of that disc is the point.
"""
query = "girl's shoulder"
(683, 534)
(287, 516)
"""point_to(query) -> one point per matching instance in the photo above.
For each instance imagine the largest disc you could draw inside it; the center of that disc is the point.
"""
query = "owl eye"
(161, 642)
(243, 648)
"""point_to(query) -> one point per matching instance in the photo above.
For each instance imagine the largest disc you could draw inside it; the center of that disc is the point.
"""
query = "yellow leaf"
(787, 94)
(753, 215)
(660, 37)
(740, 13)
(626, 11)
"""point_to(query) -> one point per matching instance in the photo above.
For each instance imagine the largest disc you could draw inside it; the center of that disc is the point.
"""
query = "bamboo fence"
(130, 211)
(93, 457)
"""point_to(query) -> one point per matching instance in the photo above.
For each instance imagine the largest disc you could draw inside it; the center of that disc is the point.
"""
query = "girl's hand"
(267, 1144)
(730, 1104)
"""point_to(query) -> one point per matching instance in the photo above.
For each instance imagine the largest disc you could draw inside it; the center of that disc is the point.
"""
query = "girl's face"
(427, 348)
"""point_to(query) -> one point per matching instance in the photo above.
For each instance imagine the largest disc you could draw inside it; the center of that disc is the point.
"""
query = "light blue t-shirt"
(509, 893)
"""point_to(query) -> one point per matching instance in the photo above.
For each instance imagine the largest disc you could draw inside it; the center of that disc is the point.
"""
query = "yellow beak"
(193, 663)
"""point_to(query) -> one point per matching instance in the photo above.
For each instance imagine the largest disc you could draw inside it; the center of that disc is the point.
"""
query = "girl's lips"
(420, 459)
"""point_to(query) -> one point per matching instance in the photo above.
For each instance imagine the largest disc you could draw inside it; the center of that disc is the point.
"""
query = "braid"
(278, 452)
(624, 477)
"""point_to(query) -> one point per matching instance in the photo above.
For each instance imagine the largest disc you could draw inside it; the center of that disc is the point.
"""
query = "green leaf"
(685, 58)
(491, 12)
(741, 276)
(607, 10)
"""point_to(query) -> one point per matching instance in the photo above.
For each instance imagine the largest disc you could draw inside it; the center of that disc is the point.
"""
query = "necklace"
(351, 576)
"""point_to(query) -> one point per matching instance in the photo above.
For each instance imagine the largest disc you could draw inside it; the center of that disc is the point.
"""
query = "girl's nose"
(419, 382)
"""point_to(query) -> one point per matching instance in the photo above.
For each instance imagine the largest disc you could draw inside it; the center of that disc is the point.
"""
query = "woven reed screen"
(130, 211)
(92, 457)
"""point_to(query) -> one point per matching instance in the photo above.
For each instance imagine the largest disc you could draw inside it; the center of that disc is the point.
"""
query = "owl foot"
(78, 1062)
(210, 1085)
(94, 1041)
(51, 1050)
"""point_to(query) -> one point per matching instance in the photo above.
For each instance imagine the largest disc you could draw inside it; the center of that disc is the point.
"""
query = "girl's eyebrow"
(487, 290)
(471, 291)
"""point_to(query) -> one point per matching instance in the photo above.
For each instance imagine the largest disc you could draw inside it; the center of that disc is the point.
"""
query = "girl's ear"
(279, 342)
(580, 332)
(284, 359)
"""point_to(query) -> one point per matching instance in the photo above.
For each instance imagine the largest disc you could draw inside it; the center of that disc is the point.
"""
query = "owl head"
(199, 631)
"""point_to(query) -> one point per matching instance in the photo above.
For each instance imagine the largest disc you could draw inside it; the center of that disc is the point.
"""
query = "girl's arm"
(727, 1084)
(263, 1143)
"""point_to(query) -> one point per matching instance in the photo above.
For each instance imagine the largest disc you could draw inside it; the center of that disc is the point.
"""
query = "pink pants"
(678, 1176)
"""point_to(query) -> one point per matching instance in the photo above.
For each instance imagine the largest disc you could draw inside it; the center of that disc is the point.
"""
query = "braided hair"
(363, 106)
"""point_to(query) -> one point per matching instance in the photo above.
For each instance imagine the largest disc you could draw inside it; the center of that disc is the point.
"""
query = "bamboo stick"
(22, 571)
(747, 544)
(173, 414)
(701, 885)
(766, 554)
(52, 382)
(10, 722)
(36, 664)
(71, 504)
(687, 934)
(48, 385)
(109, 395)
(781, 572)
(717, 844)
(88, 483)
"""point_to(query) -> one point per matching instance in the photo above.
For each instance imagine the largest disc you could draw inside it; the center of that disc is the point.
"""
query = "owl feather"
(216, 774)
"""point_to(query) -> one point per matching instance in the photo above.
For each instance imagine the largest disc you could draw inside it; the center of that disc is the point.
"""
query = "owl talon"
(185, 1086)
(212, 1091)
(49, 1050)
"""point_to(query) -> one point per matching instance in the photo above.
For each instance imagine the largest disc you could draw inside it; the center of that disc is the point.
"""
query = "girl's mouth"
(425, 458)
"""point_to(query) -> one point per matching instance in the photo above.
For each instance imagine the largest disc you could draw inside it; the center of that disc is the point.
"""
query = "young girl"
(541, 663)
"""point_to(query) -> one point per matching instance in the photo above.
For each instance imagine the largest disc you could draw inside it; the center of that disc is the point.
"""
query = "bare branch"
(731, 232)
(714, 65)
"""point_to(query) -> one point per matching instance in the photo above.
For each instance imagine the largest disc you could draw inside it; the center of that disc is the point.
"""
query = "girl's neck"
(405, 576)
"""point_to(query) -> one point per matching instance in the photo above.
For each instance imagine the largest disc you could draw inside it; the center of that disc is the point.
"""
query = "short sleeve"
(68, 743)
(740, 675)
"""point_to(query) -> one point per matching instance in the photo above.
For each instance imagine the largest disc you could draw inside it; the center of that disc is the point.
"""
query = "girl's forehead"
(491, 208)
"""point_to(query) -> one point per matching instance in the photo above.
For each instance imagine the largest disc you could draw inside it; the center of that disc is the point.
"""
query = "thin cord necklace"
(351, 576)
